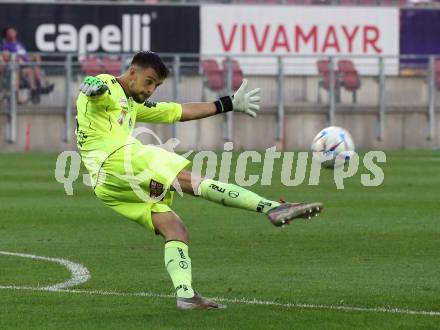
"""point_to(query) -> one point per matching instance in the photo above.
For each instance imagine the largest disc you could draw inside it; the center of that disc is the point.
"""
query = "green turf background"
(373, 247)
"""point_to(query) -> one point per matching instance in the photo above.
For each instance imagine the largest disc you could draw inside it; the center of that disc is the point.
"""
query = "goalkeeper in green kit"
(138, 180)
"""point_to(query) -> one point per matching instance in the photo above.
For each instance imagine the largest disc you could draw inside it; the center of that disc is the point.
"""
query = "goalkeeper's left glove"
(93, 86)
(241, 101)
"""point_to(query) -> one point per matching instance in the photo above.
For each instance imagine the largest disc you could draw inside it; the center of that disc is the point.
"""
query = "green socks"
(178, 265)
(234, 196)
(177, 260)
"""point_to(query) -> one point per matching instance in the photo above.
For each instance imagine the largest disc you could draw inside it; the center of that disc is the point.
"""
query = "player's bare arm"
(197, 110)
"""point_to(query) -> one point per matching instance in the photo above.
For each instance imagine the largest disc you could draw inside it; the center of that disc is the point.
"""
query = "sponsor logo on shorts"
(156, 189)
(183, 265)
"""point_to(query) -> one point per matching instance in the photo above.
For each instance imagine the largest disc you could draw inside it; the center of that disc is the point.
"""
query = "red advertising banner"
(300, 32)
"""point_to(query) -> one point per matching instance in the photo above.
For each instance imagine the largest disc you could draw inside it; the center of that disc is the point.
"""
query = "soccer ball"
(333, 146)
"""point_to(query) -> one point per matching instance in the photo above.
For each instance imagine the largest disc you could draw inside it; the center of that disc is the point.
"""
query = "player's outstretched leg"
(279, 213)
(178, 262)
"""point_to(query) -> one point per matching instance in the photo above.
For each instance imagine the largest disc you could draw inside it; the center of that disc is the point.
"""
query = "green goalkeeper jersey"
(105, 123)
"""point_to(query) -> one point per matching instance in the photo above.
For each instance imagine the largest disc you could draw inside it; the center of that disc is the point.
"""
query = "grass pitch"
(373, 247)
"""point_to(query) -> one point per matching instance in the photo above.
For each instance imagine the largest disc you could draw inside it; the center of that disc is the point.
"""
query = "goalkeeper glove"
(93, 86)
(241, 101)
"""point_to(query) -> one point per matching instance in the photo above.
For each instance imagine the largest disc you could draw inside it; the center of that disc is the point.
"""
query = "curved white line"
(80, 274)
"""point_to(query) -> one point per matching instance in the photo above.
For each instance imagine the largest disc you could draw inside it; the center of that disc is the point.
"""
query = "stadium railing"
(289, 84)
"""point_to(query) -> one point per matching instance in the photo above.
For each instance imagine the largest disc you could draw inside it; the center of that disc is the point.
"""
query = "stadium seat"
(237, 73)
(320, 2)
(298, 2)
(111, 66)
(324, 72)
(257, 2)
(400, 3)
(213, 75)
(348, 2)
(349, 77)
(91, 66)
(437, 73)
(368, 2)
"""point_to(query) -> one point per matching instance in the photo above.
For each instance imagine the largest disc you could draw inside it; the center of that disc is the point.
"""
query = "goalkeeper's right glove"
(242, 101)
(246, 101)
(93, 86)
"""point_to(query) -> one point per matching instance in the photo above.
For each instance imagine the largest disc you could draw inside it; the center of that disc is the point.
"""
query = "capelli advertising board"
(83, 28)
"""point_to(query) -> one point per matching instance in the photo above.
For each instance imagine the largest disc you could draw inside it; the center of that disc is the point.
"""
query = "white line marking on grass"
(245, 301)
(80, 274)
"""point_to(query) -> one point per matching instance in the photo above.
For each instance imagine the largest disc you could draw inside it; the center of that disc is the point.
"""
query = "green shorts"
(136, 180)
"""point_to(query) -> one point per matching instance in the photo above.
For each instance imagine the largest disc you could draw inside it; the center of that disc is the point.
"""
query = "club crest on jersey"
(121, 118)
(124, 104)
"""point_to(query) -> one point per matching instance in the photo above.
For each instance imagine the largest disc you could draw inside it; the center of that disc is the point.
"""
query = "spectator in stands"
(32, 73)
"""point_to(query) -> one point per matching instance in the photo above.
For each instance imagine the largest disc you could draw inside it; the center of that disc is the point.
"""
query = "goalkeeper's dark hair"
(149, 59)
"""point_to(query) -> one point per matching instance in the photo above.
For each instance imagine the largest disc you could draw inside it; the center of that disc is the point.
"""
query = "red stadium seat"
(367, 2)
(437, 73)
(111, 66)
(349, 76)
(320, 2)
(400, 3)
(91, 66)
(214, 76)
(298, 2)
(346, 66)
(237, 73)
(349, 2)
(324, 72)
(257, 2)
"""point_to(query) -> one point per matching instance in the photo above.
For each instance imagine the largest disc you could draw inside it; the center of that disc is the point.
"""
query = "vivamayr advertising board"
(300, 31)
